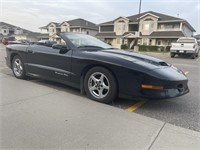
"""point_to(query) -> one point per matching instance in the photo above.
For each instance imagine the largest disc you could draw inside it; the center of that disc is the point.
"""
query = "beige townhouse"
(7, 29)
(154, 29)
(77, 25)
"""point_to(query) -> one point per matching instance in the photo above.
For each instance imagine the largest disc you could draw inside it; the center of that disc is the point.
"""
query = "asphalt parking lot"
(182, 111)
(25, 104)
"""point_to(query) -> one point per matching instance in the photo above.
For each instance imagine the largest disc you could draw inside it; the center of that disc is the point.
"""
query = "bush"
(146, 48)
(124, 46)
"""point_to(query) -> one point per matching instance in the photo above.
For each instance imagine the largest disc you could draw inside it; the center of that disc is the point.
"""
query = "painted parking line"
(186, 73)
(135, 106)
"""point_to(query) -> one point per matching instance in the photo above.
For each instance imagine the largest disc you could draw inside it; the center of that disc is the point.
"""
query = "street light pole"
(137, 38)
(139, 15)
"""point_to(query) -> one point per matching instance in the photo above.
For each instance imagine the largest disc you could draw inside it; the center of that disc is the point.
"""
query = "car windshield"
(83, 40)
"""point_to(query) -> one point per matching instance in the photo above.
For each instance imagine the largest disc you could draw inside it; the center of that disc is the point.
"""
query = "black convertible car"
(98, 69)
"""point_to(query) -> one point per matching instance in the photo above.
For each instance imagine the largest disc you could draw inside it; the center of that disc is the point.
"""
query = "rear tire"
(18, 67)
(194, 56)
(100, 85)
(172, 55)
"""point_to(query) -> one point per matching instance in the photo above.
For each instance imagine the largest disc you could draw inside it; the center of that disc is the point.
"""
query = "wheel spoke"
(105, 86)
(101, 78)
(101, 95)
(94, 79)
(15, 69)
(20, 67)
(16, 63)
(93, 88)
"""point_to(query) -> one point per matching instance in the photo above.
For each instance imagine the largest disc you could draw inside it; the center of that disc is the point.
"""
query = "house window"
(139, 41)
(4, 31)
(161, 26)
(152, 25)
(150, 42)
(119, 27)
(144, 41)
(146, 26)
(159, 42)
(52, 30)
(124, 27)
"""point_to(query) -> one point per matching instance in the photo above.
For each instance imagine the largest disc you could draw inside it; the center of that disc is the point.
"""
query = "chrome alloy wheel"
(18, 67)
(98, 85)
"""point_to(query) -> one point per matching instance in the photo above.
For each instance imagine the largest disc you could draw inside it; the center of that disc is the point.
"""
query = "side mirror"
(64, 50)
(57, 46)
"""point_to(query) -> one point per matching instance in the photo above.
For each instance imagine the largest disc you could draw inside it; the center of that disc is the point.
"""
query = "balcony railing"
(169, 29)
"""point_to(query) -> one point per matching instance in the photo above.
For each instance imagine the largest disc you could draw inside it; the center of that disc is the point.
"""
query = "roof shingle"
(162, 17)
(167, 33)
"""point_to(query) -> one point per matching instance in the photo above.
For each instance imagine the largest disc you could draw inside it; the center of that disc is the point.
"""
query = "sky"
(32, 14)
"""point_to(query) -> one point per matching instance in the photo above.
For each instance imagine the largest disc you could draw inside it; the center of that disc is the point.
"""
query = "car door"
(49, 63)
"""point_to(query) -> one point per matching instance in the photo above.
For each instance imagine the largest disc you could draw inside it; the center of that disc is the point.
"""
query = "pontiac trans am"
(97, 69)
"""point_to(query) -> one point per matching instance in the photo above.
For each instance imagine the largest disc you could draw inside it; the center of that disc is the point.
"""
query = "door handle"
(30, 51)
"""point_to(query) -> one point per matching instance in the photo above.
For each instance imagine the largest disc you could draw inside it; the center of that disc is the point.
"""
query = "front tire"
(100, 85)
(18, 68)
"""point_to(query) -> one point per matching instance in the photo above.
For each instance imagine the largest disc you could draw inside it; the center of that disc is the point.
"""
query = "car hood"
(136, 58)
(152, 65)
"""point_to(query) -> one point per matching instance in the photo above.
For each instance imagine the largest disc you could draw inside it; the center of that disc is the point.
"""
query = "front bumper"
(176, 90)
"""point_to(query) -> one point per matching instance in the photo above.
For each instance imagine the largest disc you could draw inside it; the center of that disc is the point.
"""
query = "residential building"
(10, 30)
(32, 36)
(77, 25)
(148, 28)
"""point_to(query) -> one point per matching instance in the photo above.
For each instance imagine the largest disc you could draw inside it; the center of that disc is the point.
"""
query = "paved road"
(182, 111)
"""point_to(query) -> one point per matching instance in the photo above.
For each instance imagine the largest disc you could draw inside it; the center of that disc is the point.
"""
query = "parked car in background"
(8, 39)
(185, 46)
(18, 42)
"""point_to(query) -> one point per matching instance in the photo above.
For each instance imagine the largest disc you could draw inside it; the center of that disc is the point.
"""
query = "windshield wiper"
(85, 46)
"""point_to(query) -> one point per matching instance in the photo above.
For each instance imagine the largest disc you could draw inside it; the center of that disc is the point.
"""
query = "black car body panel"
(130, 69)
